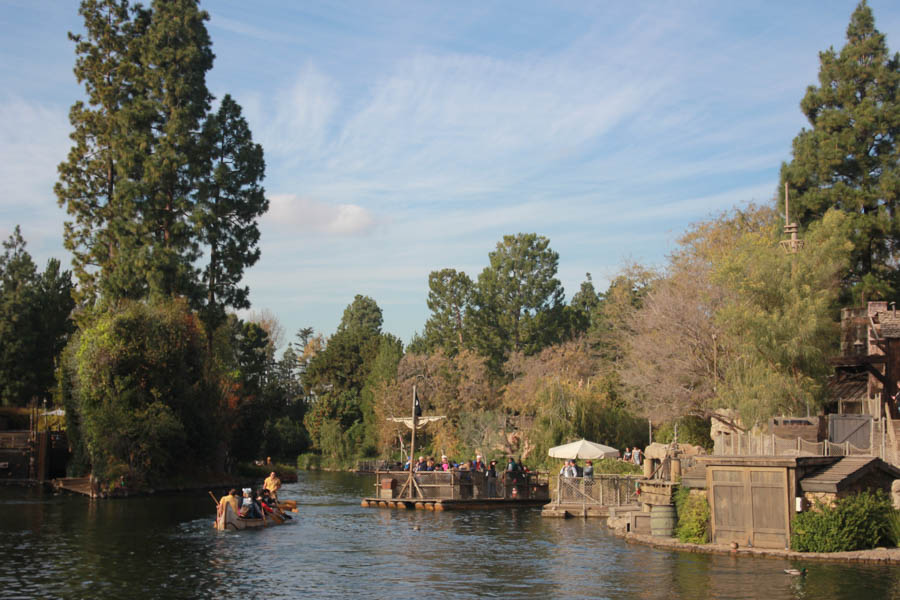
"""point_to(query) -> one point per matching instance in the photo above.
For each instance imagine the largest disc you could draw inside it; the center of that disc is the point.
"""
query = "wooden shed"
(753, 498)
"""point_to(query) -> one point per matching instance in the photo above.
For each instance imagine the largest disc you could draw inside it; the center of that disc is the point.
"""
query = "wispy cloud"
(297, 213)
(34, 140)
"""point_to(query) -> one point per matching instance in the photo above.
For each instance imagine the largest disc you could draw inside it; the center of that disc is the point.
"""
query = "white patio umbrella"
(583, 449)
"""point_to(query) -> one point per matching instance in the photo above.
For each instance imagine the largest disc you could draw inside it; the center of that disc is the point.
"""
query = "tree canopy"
(848, 159)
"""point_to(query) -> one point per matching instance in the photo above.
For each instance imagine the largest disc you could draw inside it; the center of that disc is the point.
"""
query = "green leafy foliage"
(856, 522)
(693, 517)
(779, 322)
(894, 527)
(229, 200)
(614, 466)
(153, 178)
(691, 430)
(138, 393)
(450, 301)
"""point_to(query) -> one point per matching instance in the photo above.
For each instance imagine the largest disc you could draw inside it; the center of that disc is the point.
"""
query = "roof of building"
(890, 324)
(848, 387)
(840, 474)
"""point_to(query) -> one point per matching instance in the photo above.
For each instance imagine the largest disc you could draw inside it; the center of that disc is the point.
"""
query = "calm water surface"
(165, 547)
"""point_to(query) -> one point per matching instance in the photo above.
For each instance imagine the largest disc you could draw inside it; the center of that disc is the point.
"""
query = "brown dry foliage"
(267, 319)
(572, 362)
(672, 353)
(449, 387)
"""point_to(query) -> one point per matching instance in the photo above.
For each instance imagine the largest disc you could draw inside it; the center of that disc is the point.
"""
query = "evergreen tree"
(584, 308)
(97, 183)
(449, 298)
(849, 158)
(34, 322)
(518, 300)
(229, 201)
(363, 315)
(176, 53)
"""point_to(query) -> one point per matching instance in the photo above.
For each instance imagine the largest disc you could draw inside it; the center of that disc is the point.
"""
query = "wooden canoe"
(226, 519)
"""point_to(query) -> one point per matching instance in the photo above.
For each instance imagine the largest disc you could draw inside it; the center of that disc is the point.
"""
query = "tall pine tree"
(97, 182)
(176, 53)
(849, 158)
(229, 200)
(518, 302)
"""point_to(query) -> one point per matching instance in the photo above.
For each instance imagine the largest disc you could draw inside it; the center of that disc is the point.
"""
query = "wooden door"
(749, 505)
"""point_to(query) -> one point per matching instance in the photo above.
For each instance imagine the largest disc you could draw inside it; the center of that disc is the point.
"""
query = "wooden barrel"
(662, 520)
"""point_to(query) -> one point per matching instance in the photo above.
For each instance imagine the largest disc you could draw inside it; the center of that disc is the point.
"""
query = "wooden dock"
(439, 504)
(597, 496)
(565, 511)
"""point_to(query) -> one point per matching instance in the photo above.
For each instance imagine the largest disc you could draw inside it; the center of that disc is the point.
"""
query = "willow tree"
(735, 322)
(779, 321)
(848, 159)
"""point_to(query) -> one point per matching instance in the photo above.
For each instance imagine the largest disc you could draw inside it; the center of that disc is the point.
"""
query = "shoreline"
(876, 556)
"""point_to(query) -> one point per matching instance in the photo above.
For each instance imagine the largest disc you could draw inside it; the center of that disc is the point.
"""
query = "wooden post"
(412, 446)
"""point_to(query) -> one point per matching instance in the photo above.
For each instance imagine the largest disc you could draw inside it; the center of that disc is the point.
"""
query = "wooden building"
(753, 498)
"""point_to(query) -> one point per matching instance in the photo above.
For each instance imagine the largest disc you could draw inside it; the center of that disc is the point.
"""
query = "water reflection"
(69, 547)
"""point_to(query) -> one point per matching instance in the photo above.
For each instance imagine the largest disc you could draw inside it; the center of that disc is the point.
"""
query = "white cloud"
(311, 216)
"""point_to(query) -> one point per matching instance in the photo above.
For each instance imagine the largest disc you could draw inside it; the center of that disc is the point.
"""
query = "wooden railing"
(601, 490)
(467, 485)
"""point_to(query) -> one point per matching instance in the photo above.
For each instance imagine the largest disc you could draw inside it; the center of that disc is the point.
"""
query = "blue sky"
(405, 137)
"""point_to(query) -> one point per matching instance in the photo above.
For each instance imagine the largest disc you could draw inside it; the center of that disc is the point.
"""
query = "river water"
(63, 546)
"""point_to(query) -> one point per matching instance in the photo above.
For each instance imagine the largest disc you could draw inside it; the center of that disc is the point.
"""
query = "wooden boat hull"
(227, 520)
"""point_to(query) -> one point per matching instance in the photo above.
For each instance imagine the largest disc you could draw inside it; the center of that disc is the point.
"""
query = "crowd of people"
(424, 464)
(254, 505)
(572, 469)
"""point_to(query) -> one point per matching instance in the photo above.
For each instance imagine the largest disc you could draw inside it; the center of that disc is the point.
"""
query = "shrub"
(893, 525)
(613, 466)
(693, 517)
(286, 473)
(138, 395)
(309, 461)
(691, 430)
(856, 522)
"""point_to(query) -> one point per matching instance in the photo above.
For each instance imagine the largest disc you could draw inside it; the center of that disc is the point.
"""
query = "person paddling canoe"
(273, 484)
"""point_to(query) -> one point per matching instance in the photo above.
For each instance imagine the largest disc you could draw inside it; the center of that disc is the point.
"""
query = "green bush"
(612, 466)
(309, 461)
(856, 522)
(286, 473)
(894, 527)
(693, 517)
(691, 430)
(137, 393)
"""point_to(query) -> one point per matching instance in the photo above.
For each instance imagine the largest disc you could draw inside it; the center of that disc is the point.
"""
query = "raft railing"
(466, 485)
